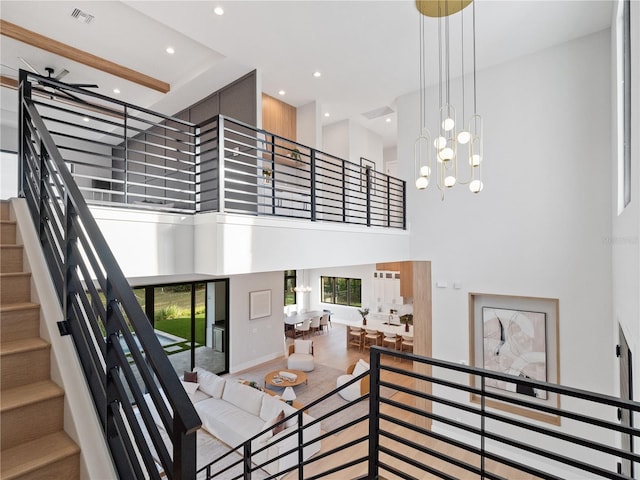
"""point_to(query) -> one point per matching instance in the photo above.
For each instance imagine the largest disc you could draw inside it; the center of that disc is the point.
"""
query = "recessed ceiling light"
(170, 50)
(116, 90)
(327, 114)
(86, 119)
(281, 92)
(388, 120)
(317, 74)
(218, 11)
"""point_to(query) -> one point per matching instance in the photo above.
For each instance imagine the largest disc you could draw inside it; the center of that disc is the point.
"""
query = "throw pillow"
(278, 428)
(190, 387)
(302, 346)
(191, 377)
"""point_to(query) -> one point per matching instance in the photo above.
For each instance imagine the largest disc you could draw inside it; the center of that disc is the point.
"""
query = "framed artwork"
(259, 304)
(514, 343)
(370, 166)
(516, 336)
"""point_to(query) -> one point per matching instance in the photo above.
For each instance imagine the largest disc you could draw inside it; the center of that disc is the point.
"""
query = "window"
(289, 287)
(341, 291)
(626, 35)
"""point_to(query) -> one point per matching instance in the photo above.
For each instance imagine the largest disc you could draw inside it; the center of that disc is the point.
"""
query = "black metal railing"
(127, 156)
(102, 313)
(426, 416)
(485, 432)
(264, 174)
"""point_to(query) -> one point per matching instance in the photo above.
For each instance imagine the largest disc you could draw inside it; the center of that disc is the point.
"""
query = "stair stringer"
(80, 418)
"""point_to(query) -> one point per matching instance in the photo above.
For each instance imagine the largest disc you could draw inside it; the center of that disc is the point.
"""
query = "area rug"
(321, 381)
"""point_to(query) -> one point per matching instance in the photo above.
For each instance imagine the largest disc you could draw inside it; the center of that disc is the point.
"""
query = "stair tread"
(30, 456)
(28, 394)
(13, 307)
(23, 345)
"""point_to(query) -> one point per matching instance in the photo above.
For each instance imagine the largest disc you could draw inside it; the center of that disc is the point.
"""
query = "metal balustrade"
(127, 156)
(429, 417)
(100, 311)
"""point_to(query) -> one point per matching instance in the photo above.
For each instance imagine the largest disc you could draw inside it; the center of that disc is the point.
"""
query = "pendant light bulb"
(448, 124)
(440, 143)
(425, 171)
(464, 137)
(476, 186)
(449, 181)
(446, 153)
(422, 183)
(475, 160)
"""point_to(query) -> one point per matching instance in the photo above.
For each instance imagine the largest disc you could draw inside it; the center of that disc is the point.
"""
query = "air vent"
(378, 112)
(81, 16)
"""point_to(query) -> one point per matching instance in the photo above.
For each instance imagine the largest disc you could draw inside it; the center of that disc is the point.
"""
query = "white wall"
(148, 243)
(255, 341)
(308, 128)
(350, 141)
(9, 180)
(625, 234)
(335, 139)
(365, 143)
(541, 225)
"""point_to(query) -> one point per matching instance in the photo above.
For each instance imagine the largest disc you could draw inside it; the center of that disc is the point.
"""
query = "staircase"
(32, 440)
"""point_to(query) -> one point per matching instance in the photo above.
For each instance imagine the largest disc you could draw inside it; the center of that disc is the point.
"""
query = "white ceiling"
(366, 50)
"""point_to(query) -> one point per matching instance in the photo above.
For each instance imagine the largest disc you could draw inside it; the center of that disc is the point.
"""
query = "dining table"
(290, 321)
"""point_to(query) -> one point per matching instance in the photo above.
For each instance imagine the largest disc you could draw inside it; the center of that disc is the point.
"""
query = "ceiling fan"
(50, 71)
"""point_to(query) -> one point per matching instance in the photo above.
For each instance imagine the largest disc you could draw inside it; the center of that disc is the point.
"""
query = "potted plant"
(406, 319)
(364, 312)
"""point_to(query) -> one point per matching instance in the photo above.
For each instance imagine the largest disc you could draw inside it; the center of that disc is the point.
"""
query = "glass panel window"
(342, 291)
(327, 290)
(289, 287)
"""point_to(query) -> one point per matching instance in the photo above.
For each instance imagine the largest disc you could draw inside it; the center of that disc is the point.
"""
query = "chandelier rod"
(475, 106)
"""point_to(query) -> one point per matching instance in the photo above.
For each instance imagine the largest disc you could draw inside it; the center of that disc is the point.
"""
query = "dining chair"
(303, 328)
(314, 326)
(356, 334)
(324, 322)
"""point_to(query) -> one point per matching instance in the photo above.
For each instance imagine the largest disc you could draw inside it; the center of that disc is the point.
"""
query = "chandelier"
(457, 144)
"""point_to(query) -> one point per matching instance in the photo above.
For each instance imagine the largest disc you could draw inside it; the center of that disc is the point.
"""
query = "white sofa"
(234, 412)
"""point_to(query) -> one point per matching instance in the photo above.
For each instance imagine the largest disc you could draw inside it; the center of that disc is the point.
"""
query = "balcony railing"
(127, 156)
(427, 417)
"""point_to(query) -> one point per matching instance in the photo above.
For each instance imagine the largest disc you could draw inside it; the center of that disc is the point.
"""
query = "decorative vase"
(406, 327)
(364, 320)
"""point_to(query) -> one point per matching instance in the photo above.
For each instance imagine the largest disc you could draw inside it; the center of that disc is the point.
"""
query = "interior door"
(626, 393)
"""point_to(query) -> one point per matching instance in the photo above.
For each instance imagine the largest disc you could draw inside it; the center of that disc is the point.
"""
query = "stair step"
(51, 456)
(4, 210)
(15, 287)
(24, 361)
(7, 232)
(11, 258)
(19, 321)
(30, 411)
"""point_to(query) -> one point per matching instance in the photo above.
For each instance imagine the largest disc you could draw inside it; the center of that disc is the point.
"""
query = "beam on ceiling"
(58, 48)
(8, 82)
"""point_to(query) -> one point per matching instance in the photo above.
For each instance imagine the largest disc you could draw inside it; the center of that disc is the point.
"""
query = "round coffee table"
(275, 380)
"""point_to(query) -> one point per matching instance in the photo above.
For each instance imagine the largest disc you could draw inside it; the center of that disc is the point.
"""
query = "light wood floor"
(330, 349)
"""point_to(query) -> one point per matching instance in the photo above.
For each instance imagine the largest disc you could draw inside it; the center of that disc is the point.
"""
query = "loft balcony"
(226, 186)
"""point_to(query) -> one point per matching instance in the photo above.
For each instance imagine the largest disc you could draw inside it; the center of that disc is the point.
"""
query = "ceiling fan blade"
(63, 73)
(10, 68)
(31, 67)
(85, 85)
